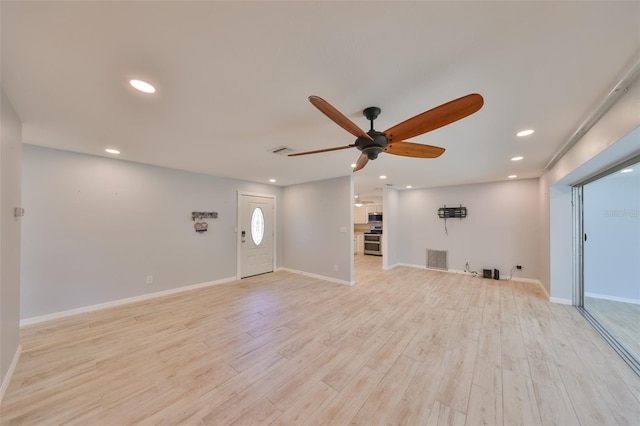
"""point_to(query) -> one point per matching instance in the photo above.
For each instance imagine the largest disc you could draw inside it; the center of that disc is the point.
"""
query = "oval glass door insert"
(257, 226)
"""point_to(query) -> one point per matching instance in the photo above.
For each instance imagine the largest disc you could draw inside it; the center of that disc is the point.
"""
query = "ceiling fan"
(391, 141)
(359, 202)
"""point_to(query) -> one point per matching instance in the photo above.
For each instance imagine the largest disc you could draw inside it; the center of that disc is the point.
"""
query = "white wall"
(315, 214)
(500, 230)
(612, 139)
(10, 198)
(96, 227)
(544, 222)
(391, 241)
(612, 250)
(559, 256)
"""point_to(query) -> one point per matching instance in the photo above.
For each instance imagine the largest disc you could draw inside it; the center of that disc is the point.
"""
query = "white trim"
(12, 367)
(544, 290)
(239, 195)
(457, 271)
(410, 265)
(114, 303)
(613, 298)
(395, 265)
(561, 301)
(320, 277)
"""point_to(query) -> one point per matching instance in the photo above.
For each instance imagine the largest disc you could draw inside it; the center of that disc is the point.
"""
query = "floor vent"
(437, 259)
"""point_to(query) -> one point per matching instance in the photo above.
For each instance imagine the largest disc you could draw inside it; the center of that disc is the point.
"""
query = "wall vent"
(437, 259)
(281, 150)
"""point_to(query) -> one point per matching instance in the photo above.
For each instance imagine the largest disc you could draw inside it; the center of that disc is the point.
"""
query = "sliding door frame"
(577, 201)
(578, 245)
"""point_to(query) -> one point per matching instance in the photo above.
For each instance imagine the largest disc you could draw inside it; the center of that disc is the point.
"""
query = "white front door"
(256, 235)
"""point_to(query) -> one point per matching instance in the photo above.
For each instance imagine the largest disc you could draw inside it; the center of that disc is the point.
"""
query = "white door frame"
(239, 196)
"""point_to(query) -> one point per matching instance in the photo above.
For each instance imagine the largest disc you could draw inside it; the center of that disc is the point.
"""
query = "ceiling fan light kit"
(372, 143)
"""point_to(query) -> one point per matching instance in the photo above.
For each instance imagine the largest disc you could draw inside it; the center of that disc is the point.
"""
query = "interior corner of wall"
(9, 374)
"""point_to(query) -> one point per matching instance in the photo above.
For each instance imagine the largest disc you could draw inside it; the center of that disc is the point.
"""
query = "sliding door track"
(620, 349)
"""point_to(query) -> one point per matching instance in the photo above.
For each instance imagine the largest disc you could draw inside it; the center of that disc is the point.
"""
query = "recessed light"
(517, 158)
(383, 177)
(512, 176)
(112, 151)
(272, 180)
(142, 86)
(408, 186)
(524, 132)
(353, 165)
(626, 171)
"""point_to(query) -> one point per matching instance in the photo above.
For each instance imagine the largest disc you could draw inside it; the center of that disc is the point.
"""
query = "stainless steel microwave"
(374, 217)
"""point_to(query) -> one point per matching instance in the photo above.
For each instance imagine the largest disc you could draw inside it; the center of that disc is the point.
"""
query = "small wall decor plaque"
(201, 227)
(204, 215)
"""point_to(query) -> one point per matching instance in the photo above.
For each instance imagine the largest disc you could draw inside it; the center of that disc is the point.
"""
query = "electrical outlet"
(518, 266)
(335, 267)
(149, 279)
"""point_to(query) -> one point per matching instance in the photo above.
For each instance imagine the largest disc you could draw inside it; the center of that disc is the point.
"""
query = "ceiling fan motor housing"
(372, 148)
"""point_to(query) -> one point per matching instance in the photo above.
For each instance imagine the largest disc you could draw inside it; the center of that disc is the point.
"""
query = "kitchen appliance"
(375, 229)
(373, 243)
(374, 217)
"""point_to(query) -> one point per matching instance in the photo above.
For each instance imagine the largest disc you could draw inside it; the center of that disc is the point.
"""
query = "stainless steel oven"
(373, 244)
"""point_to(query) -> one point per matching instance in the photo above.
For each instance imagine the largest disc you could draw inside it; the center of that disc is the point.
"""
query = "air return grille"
(281, 150)
(437, 259)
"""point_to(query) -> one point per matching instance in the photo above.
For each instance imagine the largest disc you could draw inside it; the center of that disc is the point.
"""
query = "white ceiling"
(233, 80)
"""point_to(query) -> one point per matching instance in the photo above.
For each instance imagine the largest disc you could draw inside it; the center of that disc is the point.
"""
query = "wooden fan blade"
(435, 118)
(362, 161)
(321, 150)
(410, 149)
(337, 117)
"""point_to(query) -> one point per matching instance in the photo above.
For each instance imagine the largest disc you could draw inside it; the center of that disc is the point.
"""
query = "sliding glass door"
(609, 243)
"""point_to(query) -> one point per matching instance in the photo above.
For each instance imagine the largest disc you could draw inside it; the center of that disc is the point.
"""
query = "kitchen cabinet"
(374, 208)
(358, 244)
(360, 214)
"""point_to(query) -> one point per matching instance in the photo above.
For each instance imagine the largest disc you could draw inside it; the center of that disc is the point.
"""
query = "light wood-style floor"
(620, 319)
(405, 346)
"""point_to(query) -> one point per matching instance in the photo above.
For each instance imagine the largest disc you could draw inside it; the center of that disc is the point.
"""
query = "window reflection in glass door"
(611, 250)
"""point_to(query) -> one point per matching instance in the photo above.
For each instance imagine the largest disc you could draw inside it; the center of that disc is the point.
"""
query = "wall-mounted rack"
(204, 215)
(452, 212)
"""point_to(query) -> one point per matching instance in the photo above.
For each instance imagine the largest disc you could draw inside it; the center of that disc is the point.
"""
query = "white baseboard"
(457, 271)
(7, 377)
(561, 301)
(410, 265)
(320, 277)
(544, 290)
(99, 306)
(613, 298)
(387, 268)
